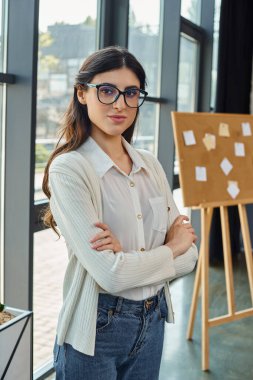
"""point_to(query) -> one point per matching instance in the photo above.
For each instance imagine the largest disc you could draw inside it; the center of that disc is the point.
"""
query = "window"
(67, 35)
(2, 34)
(191, 10)
(3, 30)
(144, 41)
(215, 51)
(188, 74)
(49, 266)
(189, 67)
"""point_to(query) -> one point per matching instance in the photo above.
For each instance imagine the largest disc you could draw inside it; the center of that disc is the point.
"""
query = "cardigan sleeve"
(74, 212)
(186, 262)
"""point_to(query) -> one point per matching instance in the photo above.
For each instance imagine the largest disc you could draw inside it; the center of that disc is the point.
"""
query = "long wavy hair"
(76, 125)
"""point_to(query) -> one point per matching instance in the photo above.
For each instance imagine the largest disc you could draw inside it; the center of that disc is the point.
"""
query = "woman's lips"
(117, 118)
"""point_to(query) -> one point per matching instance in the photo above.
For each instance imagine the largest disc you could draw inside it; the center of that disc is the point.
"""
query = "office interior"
(197, 55)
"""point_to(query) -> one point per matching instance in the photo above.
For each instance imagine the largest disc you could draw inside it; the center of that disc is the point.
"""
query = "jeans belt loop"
(119, 305)
(159, 296)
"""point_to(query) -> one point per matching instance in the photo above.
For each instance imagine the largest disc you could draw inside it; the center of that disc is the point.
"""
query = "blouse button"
(139, 216)
(132, 184)
(142, 249)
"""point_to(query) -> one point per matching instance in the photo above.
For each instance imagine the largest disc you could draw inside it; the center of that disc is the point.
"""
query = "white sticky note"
(226, 166)
(189, 138)
(200, 173)
(246, 129)
(239, 149)
(233, 190)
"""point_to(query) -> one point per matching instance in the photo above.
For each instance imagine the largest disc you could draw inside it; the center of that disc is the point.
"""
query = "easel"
(201, 279)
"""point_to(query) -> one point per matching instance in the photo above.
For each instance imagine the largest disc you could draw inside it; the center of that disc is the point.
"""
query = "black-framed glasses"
(108, 94)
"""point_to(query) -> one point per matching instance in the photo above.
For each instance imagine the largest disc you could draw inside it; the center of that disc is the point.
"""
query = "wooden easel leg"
(247, 245)
(197, 282)
(194, 303)
(227, 259)
(206, 214)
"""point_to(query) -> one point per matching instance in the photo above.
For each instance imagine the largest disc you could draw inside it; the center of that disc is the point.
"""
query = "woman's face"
(110, 119)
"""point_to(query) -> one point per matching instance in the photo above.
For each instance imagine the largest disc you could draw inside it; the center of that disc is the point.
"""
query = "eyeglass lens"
(133, 97)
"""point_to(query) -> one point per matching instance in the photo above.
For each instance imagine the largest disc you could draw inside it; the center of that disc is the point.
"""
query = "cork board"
(215, 155)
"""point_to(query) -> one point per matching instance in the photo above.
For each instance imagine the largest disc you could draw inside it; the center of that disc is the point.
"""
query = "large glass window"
(67, 35)
(191, 10)
(1, 198)
(216, 26)
(49, 267)
(144, 41)
(1, 35)
(3, 29)
(187, 91)
(146, 129)
(188, 74)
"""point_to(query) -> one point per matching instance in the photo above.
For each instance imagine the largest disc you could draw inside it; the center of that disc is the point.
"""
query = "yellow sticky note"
(224, 130)
(235, 183)
(209, 141)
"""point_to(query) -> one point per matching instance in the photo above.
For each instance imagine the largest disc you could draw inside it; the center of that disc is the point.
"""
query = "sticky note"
(189, 138)
(233, 183)
(209, 141)
(239, 149)
(233, 189)
(226, 166)
(246, 129)
(224, 130)
(200, 173)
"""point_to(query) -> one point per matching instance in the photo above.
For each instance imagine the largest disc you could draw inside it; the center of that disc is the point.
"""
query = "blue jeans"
(129, 342)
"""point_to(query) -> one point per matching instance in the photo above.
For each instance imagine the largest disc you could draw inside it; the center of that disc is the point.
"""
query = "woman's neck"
(111, 145)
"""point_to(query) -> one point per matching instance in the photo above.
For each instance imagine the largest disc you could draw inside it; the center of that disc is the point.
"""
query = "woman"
(124, 234)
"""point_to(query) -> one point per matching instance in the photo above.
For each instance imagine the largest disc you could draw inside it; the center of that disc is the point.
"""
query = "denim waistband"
(121, 305)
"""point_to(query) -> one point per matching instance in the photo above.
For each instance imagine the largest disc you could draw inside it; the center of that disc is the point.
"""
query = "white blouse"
(133, 207)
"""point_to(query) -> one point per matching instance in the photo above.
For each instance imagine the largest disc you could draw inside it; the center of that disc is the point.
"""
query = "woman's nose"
(120, 102)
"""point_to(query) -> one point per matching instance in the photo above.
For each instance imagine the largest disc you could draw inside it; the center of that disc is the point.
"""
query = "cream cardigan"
(76, 205)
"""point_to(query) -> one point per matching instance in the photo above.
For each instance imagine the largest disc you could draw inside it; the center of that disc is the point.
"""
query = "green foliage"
(47, 62)
(90, 21)
(45, 40)
(41, 154)
(1, 307)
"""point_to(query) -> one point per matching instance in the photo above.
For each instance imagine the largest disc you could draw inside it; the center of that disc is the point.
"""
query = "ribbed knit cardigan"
(76, 204)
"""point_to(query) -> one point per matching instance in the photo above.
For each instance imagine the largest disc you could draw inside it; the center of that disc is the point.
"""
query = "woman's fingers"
(180, 219)
(100, 235)
(105, 239)
(191, 230)
(102, 242)
(106, 247)
(102, 225)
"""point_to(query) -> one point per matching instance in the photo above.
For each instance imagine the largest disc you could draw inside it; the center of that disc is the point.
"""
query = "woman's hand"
(105, 239)
(180, 236)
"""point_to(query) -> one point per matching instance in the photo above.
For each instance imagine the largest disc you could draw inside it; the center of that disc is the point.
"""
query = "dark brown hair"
(76, 126)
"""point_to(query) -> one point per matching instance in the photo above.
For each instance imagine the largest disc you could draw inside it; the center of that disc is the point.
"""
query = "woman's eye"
(132, 92)
(107, 90)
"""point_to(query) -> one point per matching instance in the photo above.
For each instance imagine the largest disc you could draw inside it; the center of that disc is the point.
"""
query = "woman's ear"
(81, 95)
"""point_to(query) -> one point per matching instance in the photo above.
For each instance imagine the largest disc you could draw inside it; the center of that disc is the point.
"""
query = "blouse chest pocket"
(160, 214)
